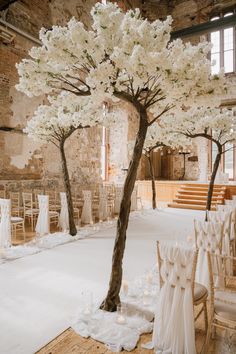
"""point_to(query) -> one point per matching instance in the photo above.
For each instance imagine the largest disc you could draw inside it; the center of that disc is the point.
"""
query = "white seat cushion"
(199, 291)
(32, 211)
(16, 219)
(225, 311)
(53, 213)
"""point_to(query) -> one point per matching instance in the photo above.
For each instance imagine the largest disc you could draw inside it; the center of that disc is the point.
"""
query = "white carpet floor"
(40, 294)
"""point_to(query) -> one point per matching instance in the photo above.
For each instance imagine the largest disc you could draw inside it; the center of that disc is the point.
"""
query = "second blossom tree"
(55, 123)
(217, 125)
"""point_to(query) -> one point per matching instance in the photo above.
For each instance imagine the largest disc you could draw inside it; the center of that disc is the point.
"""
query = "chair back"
(228, 219)
(86, 215)
(134, 198)
(27, 198)
(5, 223)
(118, 196)
(2, 193)
(222, 281)
(174, 319)
(15, 203)
(208, 237)
(64, 214)
(42, 225)
(103, 208)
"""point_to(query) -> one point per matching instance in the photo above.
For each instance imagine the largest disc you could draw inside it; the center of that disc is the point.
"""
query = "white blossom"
(122, 53)
(65, 112)
(220, 123)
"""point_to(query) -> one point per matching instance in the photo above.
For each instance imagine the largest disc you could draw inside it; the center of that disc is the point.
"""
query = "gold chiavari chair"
(30, 212)
(200, 292)
(222, 280)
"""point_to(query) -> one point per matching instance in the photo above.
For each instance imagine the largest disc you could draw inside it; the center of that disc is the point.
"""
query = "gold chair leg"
(208, 338)
(205, 316)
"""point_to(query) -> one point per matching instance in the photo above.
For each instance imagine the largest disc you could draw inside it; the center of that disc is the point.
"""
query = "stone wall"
(21, 158)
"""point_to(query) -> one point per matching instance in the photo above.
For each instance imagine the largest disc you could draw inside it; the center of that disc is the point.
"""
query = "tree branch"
(166, 109)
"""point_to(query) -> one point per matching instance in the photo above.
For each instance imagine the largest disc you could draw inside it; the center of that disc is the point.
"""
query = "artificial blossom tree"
(217, 125)
(123, 57)
(55, 123)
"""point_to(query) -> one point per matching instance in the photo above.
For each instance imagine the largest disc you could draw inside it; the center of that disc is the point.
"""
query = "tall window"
(228, 160)
(223, 49)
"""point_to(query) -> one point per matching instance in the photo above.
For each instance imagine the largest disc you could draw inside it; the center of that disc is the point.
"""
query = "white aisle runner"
(40, 294)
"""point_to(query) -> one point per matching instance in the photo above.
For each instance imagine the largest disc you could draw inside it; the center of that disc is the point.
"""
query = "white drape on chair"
(209, 237)
(224, 217)
(87, 216)
(103, 209)
(64, 215)
(5, 223)
(174, 319)
(134, 198)
(42, 225)
(118, 196)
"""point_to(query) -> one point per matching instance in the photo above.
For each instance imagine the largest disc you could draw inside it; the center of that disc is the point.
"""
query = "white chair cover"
(87, 216)
(118, 196)
(42, 225)
(229, 209)
(208, 236)
(224, 217)
(64, 215)
(103, 209)
(174, 319)
(5, 223)
(134, 198)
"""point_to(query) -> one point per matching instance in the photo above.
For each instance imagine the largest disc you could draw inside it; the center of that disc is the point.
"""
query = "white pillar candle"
(125, 287)
(149, 278)
(121, 319)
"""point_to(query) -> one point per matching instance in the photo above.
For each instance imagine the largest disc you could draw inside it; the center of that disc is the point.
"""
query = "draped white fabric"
(225, 218)
(118, 196)
(64, 216)
(5, 223)
(86, 216)
(42, 225)
(208, 237)
(103, 209)
(134, 205)
(229, 209)
(174, 319)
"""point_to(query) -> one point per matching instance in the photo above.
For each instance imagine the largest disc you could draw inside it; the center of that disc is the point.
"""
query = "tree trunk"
(213, 176)
(66, 179)
(154, 205)
(112, 299)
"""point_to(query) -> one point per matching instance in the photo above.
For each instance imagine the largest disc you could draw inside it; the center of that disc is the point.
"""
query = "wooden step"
(189, 206)
(203, 185)
(204, 189)
(193, 201)
(198, 197)
(200, 193)
(194, 196)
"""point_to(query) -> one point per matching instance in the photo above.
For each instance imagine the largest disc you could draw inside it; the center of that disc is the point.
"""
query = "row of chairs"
(88, 208)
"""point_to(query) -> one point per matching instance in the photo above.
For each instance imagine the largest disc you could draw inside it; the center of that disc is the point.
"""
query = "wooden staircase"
(194, 196)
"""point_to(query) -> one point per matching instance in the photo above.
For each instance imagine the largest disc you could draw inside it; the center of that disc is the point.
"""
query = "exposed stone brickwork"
(22, 158)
